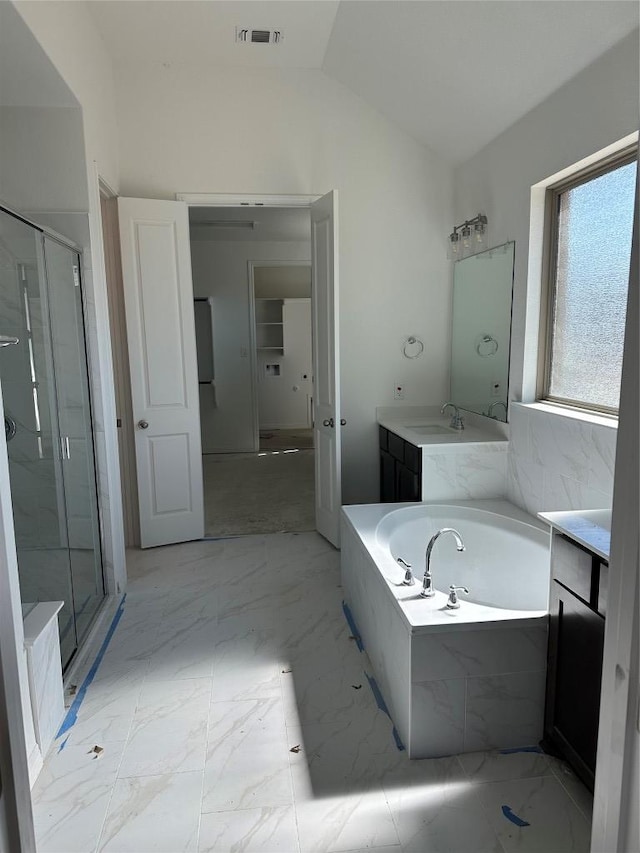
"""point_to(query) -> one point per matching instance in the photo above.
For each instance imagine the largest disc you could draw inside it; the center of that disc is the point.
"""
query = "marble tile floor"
(235, 715)
(272, 491)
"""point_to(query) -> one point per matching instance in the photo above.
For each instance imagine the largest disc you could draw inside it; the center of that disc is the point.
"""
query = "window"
(590, 228)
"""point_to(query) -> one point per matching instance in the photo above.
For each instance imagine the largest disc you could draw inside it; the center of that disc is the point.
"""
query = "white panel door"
(158, 293)
(326, 426)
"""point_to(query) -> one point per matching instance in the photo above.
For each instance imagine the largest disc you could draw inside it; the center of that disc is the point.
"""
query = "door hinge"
(76, 275)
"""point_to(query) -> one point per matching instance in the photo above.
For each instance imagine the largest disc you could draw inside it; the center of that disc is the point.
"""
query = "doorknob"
(328, 422)
(143, 424)
(343, 421)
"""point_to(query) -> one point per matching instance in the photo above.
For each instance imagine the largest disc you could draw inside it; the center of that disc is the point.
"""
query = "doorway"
(252, 301)
(157, 262)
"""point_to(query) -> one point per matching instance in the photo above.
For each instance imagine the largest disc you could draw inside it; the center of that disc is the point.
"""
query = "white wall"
(69, 37)
(220, 270)
(284, 400)
(556, 463)
(42, 158)
(240, 131)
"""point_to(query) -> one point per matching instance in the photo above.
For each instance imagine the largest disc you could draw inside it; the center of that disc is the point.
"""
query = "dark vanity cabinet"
(576, 644)
(400, 469)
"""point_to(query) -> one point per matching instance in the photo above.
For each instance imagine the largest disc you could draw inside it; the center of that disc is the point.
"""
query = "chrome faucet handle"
(427, 586)
(452, 601)
(409, 579)
(456, 418)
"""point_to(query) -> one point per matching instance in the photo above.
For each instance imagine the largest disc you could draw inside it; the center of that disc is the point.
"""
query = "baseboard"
(36, 763)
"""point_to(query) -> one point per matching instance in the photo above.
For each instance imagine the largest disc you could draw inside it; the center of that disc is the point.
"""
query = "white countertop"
(590, 528)
(404, 420)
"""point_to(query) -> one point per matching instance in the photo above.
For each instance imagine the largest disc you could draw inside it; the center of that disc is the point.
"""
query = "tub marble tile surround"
(552, 462)
(456, 473)
(557, 462)
(347, 789)
(473, 688)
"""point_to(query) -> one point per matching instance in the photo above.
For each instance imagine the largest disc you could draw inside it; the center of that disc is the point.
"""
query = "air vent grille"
(247, 35)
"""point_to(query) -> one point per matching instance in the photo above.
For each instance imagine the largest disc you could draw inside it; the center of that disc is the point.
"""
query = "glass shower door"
(31, 428)
(49, 429)
(70, 360)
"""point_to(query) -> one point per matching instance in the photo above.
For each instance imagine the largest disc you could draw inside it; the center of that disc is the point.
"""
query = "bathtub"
(454, 680)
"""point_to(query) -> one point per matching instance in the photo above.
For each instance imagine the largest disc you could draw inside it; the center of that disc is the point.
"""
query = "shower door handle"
(143, 424)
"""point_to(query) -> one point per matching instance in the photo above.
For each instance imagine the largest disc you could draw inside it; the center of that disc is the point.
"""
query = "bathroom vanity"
(577, 607)
(423, 458)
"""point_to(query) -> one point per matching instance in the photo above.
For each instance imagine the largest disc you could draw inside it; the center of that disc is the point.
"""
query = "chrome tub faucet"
(452, 601)
(409, 579)
(427, 582)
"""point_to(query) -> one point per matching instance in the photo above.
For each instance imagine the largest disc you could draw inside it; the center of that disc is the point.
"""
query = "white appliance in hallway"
(156, 272)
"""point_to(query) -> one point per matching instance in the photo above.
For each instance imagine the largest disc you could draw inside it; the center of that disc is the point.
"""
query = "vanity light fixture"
(468, 238)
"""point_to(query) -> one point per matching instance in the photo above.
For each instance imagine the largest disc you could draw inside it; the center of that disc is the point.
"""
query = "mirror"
(481, 335)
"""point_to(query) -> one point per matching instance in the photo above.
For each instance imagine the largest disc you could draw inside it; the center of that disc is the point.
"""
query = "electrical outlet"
(398, 391)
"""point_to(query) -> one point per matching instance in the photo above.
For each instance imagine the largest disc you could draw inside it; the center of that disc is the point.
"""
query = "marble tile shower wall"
(559, 463)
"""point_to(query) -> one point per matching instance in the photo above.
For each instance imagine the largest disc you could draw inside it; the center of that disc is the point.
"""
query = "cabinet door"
(387, 478)
(407, 484)
(576, 644)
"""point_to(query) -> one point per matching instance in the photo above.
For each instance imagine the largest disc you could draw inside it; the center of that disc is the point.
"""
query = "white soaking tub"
(454, 680)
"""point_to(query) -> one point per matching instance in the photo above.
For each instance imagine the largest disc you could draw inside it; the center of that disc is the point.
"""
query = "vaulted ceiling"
(453, 73)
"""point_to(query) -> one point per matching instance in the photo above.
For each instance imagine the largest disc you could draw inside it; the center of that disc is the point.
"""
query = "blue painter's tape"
(373, 684)
(348, 615)
(522, 749)
(64, 743)
(506, 811)
(72, 713)
(396, 737)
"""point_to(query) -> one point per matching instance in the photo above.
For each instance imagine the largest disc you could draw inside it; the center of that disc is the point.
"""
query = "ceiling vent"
(246, 35)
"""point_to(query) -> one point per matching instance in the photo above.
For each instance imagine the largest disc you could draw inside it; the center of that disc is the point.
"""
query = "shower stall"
(48, 426)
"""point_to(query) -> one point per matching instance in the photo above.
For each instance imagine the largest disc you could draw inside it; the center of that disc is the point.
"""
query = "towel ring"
(486, 345)
(412, 347)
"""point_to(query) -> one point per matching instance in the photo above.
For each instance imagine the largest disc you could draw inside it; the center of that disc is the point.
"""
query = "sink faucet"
(456, 418)
(427, 582)
(493, 405)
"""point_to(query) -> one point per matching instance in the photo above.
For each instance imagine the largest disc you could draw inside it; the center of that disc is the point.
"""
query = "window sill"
(574, 414)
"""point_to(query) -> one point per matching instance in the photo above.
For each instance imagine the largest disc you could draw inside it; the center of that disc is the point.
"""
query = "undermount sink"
(429, 429)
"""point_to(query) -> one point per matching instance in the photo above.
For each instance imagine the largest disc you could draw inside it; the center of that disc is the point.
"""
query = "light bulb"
(454, 248)
(480, 236)
(466, 238)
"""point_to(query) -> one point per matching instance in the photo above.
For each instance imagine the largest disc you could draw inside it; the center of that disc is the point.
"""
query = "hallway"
(235, 714)
(272, 491)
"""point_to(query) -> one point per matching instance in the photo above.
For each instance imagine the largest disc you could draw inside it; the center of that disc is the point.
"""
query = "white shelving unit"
(269, 325)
